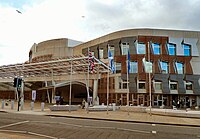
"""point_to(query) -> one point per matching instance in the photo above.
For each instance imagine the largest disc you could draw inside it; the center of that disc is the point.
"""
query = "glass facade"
(188, 85)
(156, 48)
(158, 86)
(141, 48)
(141, 85)
(124, 48)
(187, 49)
(133, 67)
(173, 86)
(112, 50)
(164, 67)
(100, 53)
(118, 67)
(179, 67)
(171, 49)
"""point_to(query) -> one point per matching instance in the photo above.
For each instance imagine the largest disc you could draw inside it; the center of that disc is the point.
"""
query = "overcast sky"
(84, 20)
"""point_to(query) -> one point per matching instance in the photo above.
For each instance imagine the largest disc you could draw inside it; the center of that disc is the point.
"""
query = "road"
(71, 128)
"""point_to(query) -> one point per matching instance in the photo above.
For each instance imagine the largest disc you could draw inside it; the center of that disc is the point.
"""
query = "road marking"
(140, 131)
(98, 127)
(14, 131)
(41, 135)
(18, 123)
(154, 132)
(153, 124)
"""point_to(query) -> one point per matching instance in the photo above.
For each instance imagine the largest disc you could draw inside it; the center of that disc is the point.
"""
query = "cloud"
(84, 20)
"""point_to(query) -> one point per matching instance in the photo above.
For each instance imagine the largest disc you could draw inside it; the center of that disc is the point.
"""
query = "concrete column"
(197, 100)
(12, 104)
(116, 99)
(32, 105)
(42, 106)
(95, 92)
(122, 99)
(127, 98)
(137, 99)
(53, 95)
(22, 95)
(190, 101)
(2, 104)
(48, 97)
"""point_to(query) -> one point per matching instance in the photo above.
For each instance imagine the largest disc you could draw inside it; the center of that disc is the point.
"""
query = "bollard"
(2, 104)
(114, 107)
(22, 105)
(12, 104)
(32, 105)
(42, 106)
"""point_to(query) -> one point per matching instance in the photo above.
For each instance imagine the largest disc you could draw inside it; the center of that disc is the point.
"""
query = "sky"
(84, 20)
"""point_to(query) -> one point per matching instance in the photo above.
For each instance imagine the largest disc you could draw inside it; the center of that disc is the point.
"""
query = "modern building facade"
(175, 75)
(173, 54)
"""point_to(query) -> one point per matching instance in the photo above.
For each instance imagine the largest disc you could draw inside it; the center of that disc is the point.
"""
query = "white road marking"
(140, 131)
(14, 131)
(154, 132)
(18, 123)
(41, 135)
(98, 127)
(153, 124)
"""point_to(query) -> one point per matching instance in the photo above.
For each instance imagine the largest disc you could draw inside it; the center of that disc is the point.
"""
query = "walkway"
(164, 116)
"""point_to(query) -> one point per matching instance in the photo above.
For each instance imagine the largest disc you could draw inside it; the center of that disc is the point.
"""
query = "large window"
(123, 84)
(187, 49)
(133, 67)
(164, 67)
(141, 48)
(124, 48)
(179, 67)
(171, 49)
(173, 86)
(158, 85)
(156, 48)
(141, 85)
(118, 67)
(188, 85)
(112, 50)
(100, 53)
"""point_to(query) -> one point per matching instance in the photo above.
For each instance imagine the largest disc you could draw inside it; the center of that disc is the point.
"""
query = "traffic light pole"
(19, 89)
(19, 99)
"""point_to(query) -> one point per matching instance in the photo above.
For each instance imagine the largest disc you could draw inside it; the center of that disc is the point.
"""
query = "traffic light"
(17, 82)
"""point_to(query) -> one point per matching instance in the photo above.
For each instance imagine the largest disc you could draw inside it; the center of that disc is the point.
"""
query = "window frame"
(173, 83)
(170, 47)
(161, 67)
(118, 65)
(132, 66)
(112, 50)
(123, 84)
(101, 51)
(156, 46)
(177, 68)
(185, 49)
(188, 83)
(139, 45)
(158, 83)
(124, 48)
(141, 82)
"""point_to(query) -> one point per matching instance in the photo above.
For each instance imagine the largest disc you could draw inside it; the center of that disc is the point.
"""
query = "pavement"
(124, 114)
